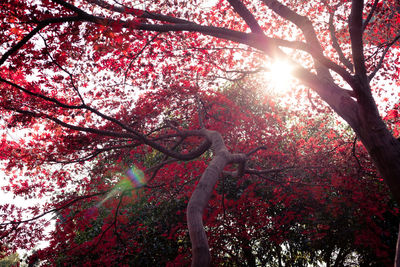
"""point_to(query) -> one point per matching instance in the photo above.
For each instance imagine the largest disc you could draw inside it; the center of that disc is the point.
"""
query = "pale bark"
(198, 201)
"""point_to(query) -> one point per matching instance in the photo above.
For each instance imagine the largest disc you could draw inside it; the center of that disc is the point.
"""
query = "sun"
(278, 76)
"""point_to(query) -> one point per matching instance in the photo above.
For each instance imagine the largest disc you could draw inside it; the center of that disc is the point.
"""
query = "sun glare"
(278, 76)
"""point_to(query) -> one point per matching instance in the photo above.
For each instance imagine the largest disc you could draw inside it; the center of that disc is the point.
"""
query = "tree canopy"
(129, 113)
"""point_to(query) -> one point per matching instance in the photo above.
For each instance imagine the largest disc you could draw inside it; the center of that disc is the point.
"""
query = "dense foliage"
(315, 204)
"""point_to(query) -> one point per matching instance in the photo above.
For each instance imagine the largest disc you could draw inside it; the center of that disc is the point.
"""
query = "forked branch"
(198, 201)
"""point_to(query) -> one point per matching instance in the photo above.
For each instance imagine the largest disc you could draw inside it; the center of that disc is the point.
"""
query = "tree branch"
(201, 195)
(38, 95)
(158, 167)
(371, 13)
(131, 133)
(138, 54)
(39, 27)
(248, 17)
(255, 150)
(71, 77)
(71, 7)
(75, 127)
(56, 209)
(264, 43)
(379, 65)
(336, 46)
(21, 43)
(139, 13)
(95, 153)
(356, 33)
(305, 25)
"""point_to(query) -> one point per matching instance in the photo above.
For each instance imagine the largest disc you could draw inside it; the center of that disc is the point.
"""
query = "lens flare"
(136, 176)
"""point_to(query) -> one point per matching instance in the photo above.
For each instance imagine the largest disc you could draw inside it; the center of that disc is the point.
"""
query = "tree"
(299, 215)
(69, 70)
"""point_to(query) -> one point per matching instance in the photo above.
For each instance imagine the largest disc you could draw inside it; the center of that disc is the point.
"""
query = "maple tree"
(304, 214)
(70, 71)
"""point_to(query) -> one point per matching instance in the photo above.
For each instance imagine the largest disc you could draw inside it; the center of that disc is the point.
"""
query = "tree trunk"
(247, 253)
(363, 117)
(397, 258)
(198, 201)
(383, 148)
(278, 249)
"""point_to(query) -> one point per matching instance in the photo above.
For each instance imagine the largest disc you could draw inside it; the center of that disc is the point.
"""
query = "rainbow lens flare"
(136, 176)
(134, 179)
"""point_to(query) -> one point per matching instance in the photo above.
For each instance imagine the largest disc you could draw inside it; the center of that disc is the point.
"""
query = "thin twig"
(56, 209)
